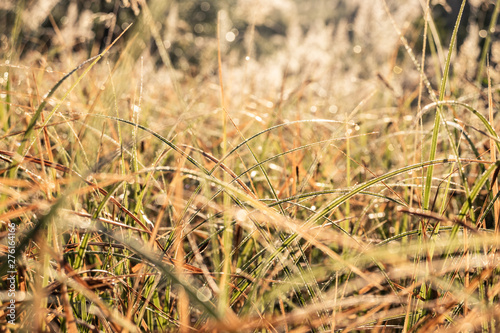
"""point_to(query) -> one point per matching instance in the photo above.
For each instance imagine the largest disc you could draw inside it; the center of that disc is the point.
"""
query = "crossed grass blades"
(253, 188)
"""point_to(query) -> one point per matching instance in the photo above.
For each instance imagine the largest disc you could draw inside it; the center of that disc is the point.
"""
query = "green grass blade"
(437, 119)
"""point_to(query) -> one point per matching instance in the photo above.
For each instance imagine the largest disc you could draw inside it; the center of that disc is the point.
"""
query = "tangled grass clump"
(246, 166)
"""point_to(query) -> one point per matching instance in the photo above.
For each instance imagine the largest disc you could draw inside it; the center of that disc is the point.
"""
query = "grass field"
(249, 166)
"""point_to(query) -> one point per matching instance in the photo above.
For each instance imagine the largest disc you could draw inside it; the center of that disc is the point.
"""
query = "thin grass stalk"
(487, 43)
(227, 238)
(437, 119)
(27, 138)
(409, 321)
(493, 151)
(345, 225)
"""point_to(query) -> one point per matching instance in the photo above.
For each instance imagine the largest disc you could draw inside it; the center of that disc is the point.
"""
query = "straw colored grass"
(249, 166)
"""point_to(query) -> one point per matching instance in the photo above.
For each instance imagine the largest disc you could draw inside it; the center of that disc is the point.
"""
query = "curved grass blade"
(437, 119)
(33, 233)
(337, 202)
(282, 236)
(158, 136)
(31, 125)
(488, 208)
(257, 165)
(83, 245)
(38, 112)
(478, 184)
(313, 194)
(492, 134)
(167, 271)
(225, 168)
(275, 195)
(65, 169)
(268, 130)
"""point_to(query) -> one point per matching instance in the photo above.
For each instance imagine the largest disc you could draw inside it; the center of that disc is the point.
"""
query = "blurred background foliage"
(303, 39)
(188, 28)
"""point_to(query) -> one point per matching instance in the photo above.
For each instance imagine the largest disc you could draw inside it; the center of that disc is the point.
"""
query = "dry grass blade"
(355, 189)
(437, 217)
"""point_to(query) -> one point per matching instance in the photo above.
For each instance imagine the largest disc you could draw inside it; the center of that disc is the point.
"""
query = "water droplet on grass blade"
(397, 70)
(230, 36)
(204, 294)
(241, 215)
